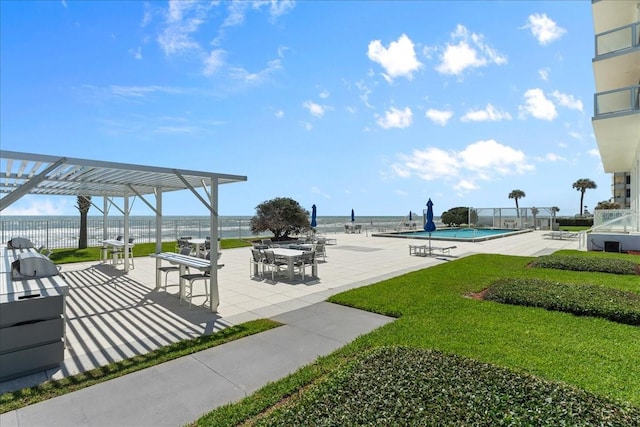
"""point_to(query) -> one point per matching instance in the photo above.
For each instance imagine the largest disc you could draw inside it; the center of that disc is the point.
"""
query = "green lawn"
(593, 354)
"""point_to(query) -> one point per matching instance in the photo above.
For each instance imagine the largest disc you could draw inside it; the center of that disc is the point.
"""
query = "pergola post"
(214, 297)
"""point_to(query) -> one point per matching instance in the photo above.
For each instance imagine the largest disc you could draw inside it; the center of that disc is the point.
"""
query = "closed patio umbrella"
(353, 216)
(410, 216)
(313, 216)
(429, 226)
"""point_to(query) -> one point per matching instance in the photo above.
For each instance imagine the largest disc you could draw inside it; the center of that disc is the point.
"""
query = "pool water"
(459, 234)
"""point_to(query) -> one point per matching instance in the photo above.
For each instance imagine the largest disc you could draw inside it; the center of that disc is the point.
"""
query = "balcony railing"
(623, 100)
(618, 39)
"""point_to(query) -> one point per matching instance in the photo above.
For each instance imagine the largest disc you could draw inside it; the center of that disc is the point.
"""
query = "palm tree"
(84, 203)
(582, 185)
(517, 194)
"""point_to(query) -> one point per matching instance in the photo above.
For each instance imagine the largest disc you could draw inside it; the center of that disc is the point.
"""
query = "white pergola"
(26, 173)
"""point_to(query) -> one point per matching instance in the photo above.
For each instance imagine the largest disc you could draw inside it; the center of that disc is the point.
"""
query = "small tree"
(84, 204)
(582, 185)
(517, 194)
(457, 216)
(282, 216)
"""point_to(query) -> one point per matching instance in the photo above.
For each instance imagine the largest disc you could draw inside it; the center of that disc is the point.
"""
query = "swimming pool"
(457, 234)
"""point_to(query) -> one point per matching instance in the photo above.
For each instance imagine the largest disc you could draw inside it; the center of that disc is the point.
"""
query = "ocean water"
(62, 231)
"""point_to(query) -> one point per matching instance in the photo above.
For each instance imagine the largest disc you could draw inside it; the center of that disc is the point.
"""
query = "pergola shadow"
(111, 317)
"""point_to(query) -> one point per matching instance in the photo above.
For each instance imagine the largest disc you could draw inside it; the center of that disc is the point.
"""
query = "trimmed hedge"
(398, 386)
(582, 300)
(591, 264)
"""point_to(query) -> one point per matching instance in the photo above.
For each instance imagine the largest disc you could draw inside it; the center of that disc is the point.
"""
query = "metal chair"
(308, 258)
(201, 276)
(169, 268)
(256, 263)
(272, 263)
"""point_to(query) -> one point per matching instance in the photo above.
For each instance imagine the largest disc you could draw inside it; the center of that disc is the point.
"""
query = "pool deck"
(112, 315)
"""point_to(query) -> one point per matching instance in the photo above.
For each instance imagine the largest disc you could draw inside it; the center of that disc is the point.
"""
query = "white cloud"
(594, 152)
(552, 157)
(183, 19)
(575, 135)
(213, 62)
(488, 157)
(317, 190)
(440, 117)
(489, 114)
(396, 118)
(279, 114)
(482, 160)
(141, 91)
(316, 110)
(306, 125)
(364, 93)
(324, 94)
(467, 50)
(429, 164)
(136, 53)
(257, 77)
(538, 106)
(544, 29)
(42, 206)
(464, 186)
(567, 100)
(544, 74)
(399, 60)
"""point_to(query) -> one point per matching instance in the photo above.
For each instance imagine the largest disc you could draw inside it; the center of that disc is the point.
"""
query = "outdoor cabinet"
(31, 332)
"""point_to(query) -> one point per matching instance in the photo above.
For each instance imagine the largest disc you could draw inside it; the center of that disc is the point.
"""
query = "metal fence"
(64, 232)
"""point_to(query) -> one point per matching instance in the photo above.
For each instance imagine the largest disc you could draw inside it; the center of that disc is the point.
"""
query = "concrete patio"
(112, 315)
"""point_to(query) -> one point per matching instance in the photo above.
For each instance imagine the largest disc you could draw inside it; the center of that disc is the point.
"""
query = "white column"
(214, 299)
(158, 192)
(126, 234)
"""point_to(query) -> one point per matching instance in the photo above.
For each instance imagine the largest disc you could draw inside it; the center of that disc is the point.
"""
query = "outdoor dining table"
(183, 261)
(291, 255)
(197, 244)
(116, 245)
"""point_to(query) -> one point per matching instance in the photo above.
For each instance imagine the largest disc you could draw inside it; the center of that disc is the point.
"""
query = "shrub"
(592, 264)
(583, 300)
(397, 386)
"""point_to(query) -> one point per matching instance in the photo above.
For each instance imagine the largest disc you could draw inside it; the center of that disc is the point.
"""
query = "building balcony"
(618, 40)
(616, 102)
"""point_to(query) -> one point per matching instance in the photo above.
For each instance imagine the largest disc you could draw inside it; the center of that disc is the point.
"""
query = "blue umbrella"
(313, 216)
(429, 226)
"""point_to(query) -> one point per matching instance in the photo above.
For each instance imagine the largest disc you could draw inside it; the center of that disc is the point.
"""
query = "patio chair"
(256, 263)
(269, 243)
(307, 259)
(183, 242)
(198, 276)
(320, 251)
(272, 263)
(169, 268)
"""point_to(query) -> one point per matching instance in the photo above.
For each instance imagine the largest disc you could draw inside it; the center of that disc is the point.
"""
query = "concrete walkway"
(113, 316)
(178, 392)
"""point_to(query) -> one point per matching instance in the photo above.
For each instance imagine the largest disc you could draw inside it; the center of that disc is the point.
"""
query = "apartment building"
(621, 189)
(616, 119)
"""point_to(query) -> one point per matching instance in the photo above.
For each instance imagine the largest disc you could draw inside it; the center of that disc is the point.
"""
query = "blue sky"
(375, 106)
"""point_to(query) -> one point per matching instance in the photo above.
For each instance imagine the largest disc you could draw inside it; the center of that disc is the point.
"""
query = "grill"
(32, 301)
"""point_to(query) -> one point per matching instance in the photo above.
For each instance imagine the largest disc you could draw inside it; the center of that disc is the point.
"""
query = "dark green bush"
(583, 300)
(592, 264)
(396, 386)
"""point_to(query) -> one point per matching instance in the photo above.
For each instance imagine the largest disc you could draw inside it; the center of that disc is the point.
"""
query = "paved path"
(178, 392)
